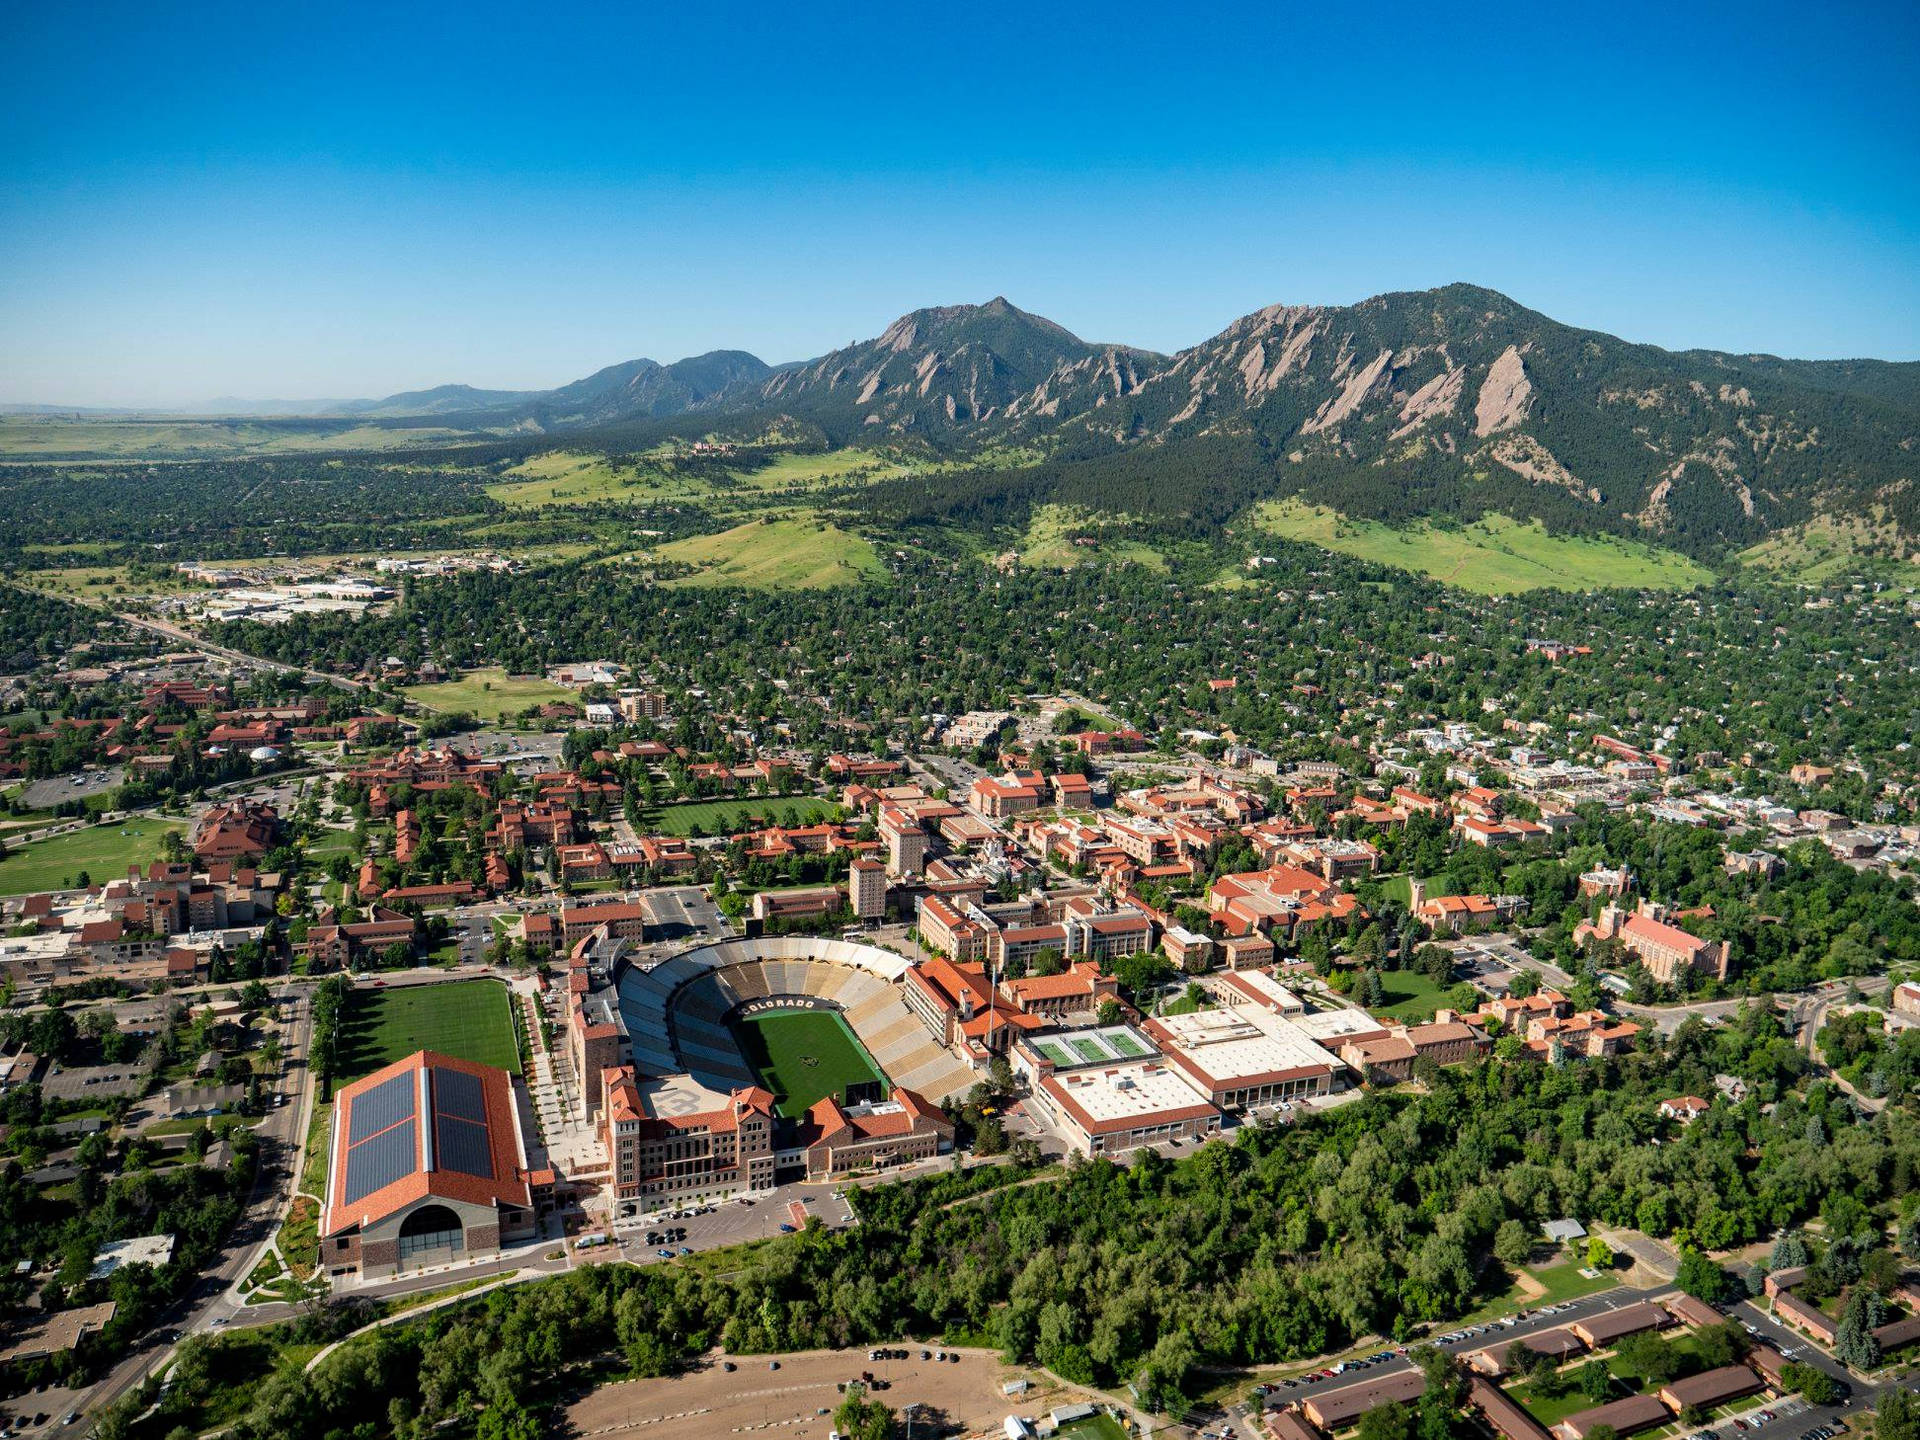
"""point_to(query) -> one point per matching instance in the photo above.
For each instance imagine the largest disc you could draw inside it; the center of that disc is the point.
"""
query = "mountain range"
(1434, 402)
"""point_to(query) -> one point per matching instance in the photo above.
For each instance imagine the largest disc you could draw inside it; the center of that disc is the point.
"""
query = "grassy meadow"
(779, 553)
(99, 852)
(1492, 556)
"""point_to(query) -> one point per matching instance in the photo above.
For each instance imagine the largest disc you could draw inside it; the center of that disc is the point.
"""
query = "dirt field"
(787, 1402)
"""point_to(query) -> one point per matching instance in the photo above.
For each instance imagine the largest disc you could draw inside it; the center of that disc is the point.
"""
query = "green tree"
(1513, 1242)
(1896, 1415)
(1789, 1252)
(1701, 1278)
(1814, 1385)
(859, 1418)
(1853, 1342)
(1388, 1422)
(1595, 1380)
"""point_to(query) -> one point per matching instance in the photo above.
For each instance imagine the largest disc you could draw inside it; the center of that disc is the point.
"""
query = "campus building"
(427, 1165)
(867, 888)
(1666, 950)
(1106, 1092)
(1244, 1057)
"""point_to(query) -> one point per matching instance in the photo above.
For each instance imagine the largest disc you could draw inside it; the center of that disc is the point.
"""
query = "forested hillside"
(1451, 403)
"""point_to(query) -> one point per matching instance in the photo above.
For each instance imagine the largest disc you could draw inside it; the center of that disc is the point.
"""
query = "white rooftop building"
(1110, 1110)
(1333, 1028)
(1247, 1057)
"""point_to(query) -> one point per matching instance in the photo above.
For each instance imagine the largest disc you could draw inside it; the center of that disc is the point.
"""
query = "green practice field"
(467, 1019)
(100, 852)
(803, 1055)
(728, 817)
(1492, 556)
(488, 694)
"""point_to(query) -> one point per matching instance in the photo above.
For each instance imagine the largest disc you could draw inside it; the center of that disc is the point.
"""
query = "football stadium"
(801, 1017)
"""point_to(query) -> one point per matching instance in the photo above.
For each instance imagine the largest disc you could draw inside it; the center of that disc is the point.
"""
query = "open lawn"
(99, 852)
(1624, 1380)
(567, 477)
(563, 477)
(1097, 1427)
(728, 817)
(838, 466)
(467, 1019)
(103, 583)
(1547, 1285)
(1411, 997)
(488, 694)
(778, 553)
(329, 843)
(1565, 1282)
(1492, 556)
(802, 1055)
(1551, 1410)
(1400, 887)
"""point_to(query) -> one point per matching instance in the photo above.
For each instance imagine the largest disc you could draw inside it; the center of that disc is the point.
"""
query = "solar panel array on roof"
(377, 1162)
(457, 1093)
(387, 1103)
(462, 1145)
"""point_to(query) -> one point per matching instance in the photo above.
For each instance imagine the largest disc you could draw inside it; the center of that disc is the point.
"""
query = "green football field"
(467, 1019)
(802, 1055)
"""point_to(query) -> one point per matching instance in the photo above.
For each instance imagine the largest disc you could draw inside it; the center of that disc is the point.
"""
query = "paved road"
(189, 639)
(214, 1302)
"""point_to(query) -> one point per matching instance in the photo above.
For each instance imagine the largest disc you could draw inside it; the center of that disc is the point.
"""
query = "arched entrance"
(430, 1234)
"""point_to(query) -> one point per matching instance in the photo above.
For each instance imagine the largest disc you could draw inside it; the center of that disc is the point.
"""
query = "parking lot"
(685, 915)
(56, 789)
(759, 1216)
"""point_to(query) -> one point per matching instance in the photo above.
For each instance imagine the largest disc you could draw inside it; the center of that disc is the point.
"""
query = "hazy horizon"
(282, 206)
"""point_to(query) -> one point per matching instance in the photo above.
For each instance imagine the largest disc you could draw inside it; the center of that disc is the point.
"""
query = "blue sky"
(328, 201)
